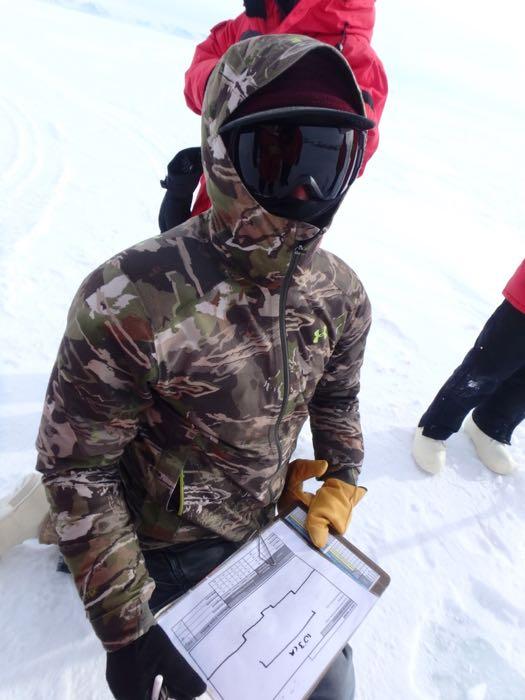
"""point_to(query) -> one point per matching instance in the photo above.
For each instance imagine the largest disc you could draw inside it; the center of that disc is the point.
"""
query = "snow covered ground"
(91, 109)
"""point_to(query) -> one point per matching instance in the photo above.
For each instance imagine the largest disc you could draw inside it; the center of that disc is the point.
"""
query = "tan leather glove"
(332, 505)
(300, 470)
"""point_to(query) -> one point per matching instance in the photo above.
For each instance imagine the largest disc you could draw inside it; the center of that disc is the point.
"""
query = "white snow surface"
(91, 110)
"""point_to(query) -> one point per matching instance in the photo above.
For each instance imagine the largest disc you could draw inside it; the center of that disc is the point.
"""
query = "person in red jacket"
(345, 24)
(490, 380)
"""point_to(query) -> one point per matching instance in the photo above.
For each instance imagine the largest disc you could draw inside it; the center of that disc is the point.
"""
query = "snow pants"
(490, 380)
(177, 568)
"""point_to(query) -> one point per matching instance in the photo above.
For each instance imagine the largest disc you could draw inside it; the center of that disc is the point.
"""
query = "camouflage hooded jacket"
(188, 366)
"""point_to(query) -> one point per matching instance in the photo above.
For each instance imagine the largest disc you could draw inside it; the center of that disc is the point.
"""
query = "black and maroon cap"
(314, 90)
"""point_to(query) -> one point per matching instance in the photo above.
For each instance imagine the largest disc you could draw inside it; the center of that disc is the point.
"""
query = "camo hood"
(257, 242)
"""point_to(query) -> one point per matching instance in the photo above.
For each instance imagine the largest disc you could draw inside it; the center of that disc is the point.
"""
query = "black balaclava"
(257, 8)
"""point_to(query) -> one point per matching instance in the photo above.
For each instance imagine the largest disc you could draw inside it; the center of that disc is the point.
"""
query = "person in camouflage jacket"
(188, 366)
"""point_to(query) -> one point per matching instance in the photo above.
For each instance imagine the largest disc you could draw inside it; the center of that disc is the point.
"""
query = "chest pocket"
(309, 350)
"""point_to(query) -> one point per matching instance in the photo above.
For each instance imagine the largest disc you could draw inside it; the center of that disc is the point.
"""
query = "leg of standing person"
(177, 568)
(500, 414)
(497, 355)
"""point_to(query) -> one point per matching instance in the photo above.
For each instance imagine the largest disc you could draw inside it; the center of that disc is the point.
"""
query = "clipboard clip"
(260, 540)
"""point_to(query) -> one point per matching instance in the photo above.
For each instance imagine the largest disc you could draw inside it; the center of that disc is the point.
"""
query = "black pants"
(177, 568)
(491, 380)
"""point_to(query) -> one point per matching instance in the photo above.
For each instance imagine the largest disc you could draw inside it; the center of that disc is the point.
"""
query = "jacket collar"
(254, 242)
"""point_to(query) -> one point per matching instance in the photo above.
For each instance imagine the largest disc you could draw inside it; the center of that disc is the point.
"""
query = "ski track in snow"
(91, 109)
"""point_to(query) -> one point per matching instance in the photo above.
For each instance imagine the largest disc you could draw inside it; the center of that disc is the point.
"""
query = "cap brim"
(306, 115)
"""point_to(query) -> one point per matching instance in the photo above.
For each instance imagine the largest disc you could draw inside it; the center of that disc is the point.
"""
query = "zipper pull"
(340, 46)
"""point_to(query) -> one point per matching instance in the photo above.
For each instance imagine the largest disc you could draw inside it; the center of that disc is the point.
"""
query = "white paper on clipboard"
(268, 622)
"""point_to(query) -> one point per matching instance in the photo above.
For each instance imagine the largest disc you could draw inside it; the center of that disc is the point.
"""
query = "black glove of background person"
(131, 671)
(183, 176)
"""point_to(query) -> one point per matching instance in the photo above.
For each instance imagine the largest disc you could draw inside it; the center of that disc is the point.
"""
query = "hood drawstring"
(340, 46)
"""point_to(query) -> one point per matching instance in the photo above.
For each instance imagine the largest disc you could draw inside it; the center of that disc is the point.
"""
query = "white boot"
(22, 512)
(429, 454)
(495, 455)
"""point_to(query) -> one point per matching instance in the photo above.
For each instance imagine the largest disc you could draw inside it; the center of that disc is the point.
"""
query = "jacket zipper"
(297, 252)
(341, 45)
(181, 493)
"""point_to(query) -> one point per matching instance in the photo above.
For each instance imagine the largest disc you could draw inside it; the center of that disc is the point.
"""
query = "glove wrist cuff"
(347, 474)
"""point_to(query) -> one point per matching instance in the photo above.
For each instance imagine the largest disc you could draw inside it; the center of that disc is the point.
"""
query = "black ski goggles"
(282, 160)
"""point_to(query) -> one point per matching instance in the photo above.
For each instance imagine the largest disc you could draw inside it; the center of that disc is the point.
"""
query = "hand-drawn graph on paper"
(286, 612)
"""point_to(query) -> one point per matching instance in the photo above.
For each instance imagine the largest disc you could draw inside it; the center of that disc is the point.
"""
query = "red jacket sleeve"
(206, 56)
(367, 67)
(371, 78)
(514, 291)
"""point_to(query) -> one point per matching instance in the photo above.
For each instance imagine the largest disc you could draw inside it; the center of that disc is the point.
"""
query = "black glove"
(255, 8)
(131, 671)
(184, 172)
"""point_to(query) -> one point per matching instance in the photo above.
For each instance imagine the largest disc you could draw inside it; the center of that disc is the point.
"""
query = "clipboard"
(269, 621)
(342, 553)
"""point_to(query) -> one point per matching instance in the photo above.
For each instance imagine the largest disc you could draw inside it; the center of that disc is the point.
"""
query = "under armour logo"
(320, 334)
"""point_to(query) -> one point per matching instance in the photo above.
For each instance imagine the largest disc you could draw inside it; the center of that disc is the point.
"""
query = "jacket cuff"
(346, 474)
(118, 628)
